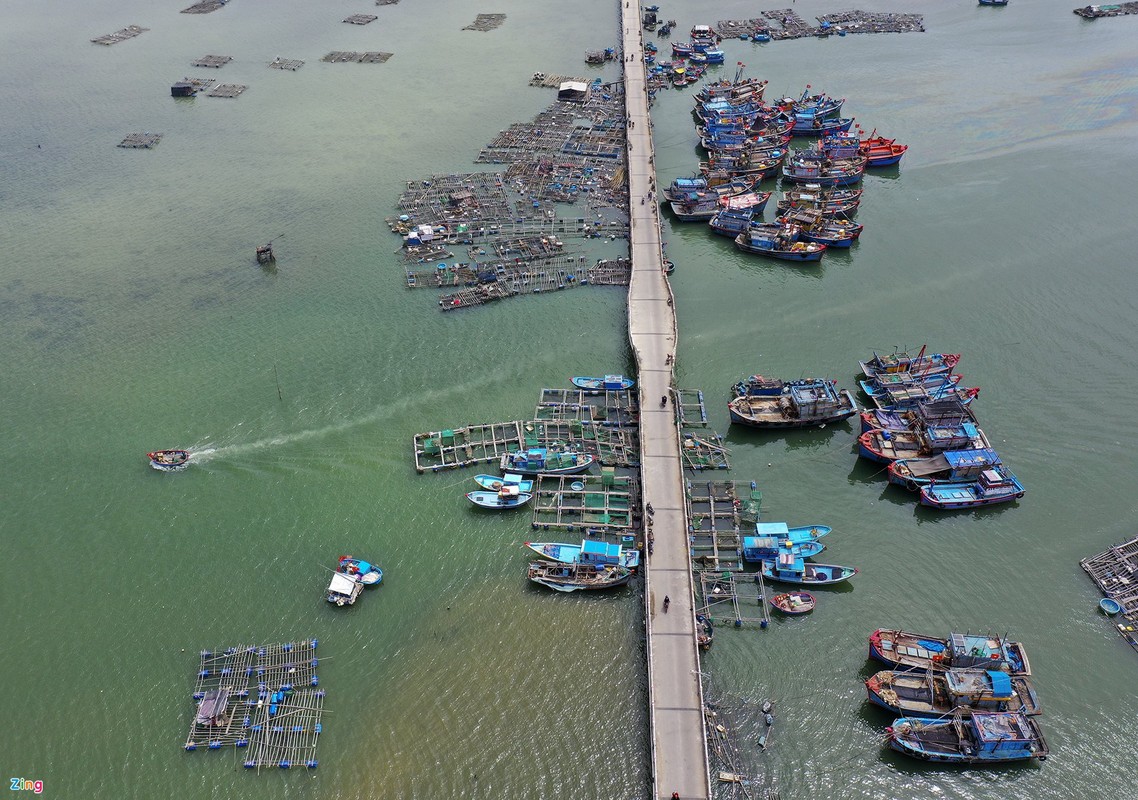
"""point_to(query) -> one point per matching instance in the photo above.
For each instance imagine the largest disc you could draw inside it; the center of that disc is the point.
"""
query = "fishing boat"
(950, 410)
(575, 577)
(885, 447)
(990, 737)
(169, 460)
(941, 382)
(934, 694)
(994, 485)
(920, 364)
(343, 590)
(493, 482)
(814, 125)
(881, 152)
(609, 383)
(903, 650)
(829, 201)
(797, 405)
(789, 568)
(365, 572)
(811, 104)
(547, 460)
(762, 386)
(506, 497)
(794, 602)
(704, 631)
(589, 551)
(814, 226)
(913, 396)
(708, 56)
(772, 538)
(732, 223)
(779, 241)
(814, 167)
(951, 465)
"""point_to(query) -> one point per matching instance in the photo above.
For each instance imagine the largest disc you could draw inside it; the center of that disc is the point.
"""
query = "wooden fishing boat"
(885, 447)
(589, 551)
(343, 590)
(881, 152)
(577, 577)
(993, 2)
(609, 383)
(828, 201)
(939, 383)
(809, 166)
(951, 465)
(506, 497)
(920, 364)
(794, 602)
(732, 223)
(365, 572)
(990, 737)
(767, 387)
(994, 485)
(788, 568)
(169, 460)
(778, 241)
(935, 694)
(493, 482)
(952, 410)
(797, 405)
(903, 650)
(772, 538)
(546, 460)
(817, 126)
(814, 226)
(820, 104)
(704, 631)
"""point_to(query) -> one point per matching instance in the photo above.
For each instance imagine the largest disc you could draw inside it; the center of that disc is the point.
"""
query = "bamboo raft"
(227, 90)
(526, 279)
(204, 7)
(290, 64)
(129, 32)
(1115, 10)
(719, 513)
(704, 451)
(214, 62)
(361, 19)
(690, 406)
(722, 596)
(785, 23)
(1115, 572)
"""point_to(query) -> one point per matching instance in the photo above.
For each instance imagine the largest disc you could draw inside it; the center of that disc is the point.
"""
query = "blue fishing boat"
(920, 364)
(609, 383)
(810, 167)
(950, 411)
(577, 577)
(912, 396)
(811, 104)
(711, 55)
(682, 49)
(493, 482)
(778, 241)
(993, 2)
(831, 202)
(546, 460)
(885, 447)
(903, 650)
(800, 404)
(814, 226)
(940, 382)
(951, 465)
(727, 222)
(989, 737)
(758, 548)
(789, 568)
(365, 572)
(169, 460)
(994, 485)
(506, 497)
(589, 551)
(935, 694)
(817, 126)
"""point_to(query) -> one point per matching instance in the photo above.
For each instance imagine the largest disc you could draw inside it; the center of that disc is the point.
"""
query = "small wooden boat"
(788, 568)
(903, 650)
(794, 602)
(704, 631)
(934, 694)
(169, 460)
(365, 572)
(797, 405)
(506, 497)
(991, 737)
(994, 485)
(951, 465)
(881, 152)
(1110, 606)
(546, 460)
(609, 383)
(589, 551)
(576, 577)
(343, 590)
(493, 483)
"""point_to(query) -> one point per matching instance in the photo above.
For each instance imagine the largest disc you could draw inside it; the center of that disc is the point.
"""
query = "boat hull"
(813, 575)
(785, 602)
(493, 500)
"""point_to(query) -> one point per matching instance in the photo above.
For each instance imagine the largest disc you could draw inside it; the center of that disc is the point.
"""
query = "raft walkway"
(679, 749)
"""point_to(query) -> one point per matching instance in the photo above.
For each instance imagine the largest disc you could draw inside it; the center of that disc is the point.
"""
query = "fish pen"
(360, 19)
(511, 283)
(718, 512)
(1115, 572)
(214, 62)
(346, 56)
(486, 22)
(291, 64)
(137, 141)
(467, 446)
(580, 502)
(607, 408)
(238, 687)
(129, 32)
(286, 727)
(612, 446)
(690, 407)
(704, 451)
(227, 90)
(721, 596)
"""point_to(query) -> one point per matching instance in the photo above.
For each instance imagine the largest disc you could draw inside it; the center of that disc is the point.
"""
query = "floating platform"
(140, 140)
(129, 32)
(785, 23)
(345, 56)
(690, 406)
(719, 514)
(361, 19)
(580, 502)
(227, 90)
(291, 64)
(704, 451)
(609, 408)
(526, 279)
(554, 81)
(486, 22)
(204, 7)
(215, 62)
(1115, 572)
(723, 598)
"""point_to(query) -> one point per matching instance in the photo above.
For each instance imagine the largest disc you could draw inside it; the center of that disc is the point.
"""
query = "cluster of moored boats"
(966, 699)
(748, 141)
(351, 576)
(783, 555)
(925, 431)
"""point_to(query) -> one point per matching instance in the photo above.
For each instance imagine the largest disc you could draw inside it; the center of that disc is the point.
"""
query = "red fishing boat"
(881, 152)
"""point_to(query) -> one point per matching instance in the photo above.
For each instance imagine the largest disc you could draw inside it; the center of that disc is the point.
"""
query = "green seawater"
(132, 317)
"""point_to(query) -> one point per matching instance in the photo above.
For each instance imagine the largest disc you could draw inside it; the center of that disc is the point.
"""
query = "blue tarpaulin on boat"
(971, 458)
(931, 646)
(1001, 683)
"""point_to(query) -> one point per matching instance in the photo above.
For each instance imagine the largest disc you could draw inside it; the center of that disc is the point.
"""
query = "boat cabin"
(1004, 735)
(985, 652)
(991, 689)
(756, 548)
(599, 553)
(952, 437)
(343, 590)
(212, 708)
(816, 398)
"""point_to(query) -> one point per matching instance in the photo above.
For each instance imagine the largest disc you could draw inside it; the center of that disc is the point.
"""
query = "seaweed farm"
(261, 699)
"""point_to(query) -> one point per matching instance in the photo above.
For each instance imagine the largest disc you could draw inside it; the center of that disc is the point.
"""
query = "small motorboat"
(493, 482)
(794, 602)
(506, 497)
(789, 568)
(365, 572)
(169, 460)
(611, 383)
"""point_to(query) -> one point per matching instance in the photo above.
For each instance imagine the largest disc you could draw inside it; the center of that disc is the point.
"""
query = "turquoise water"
(133, 318)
